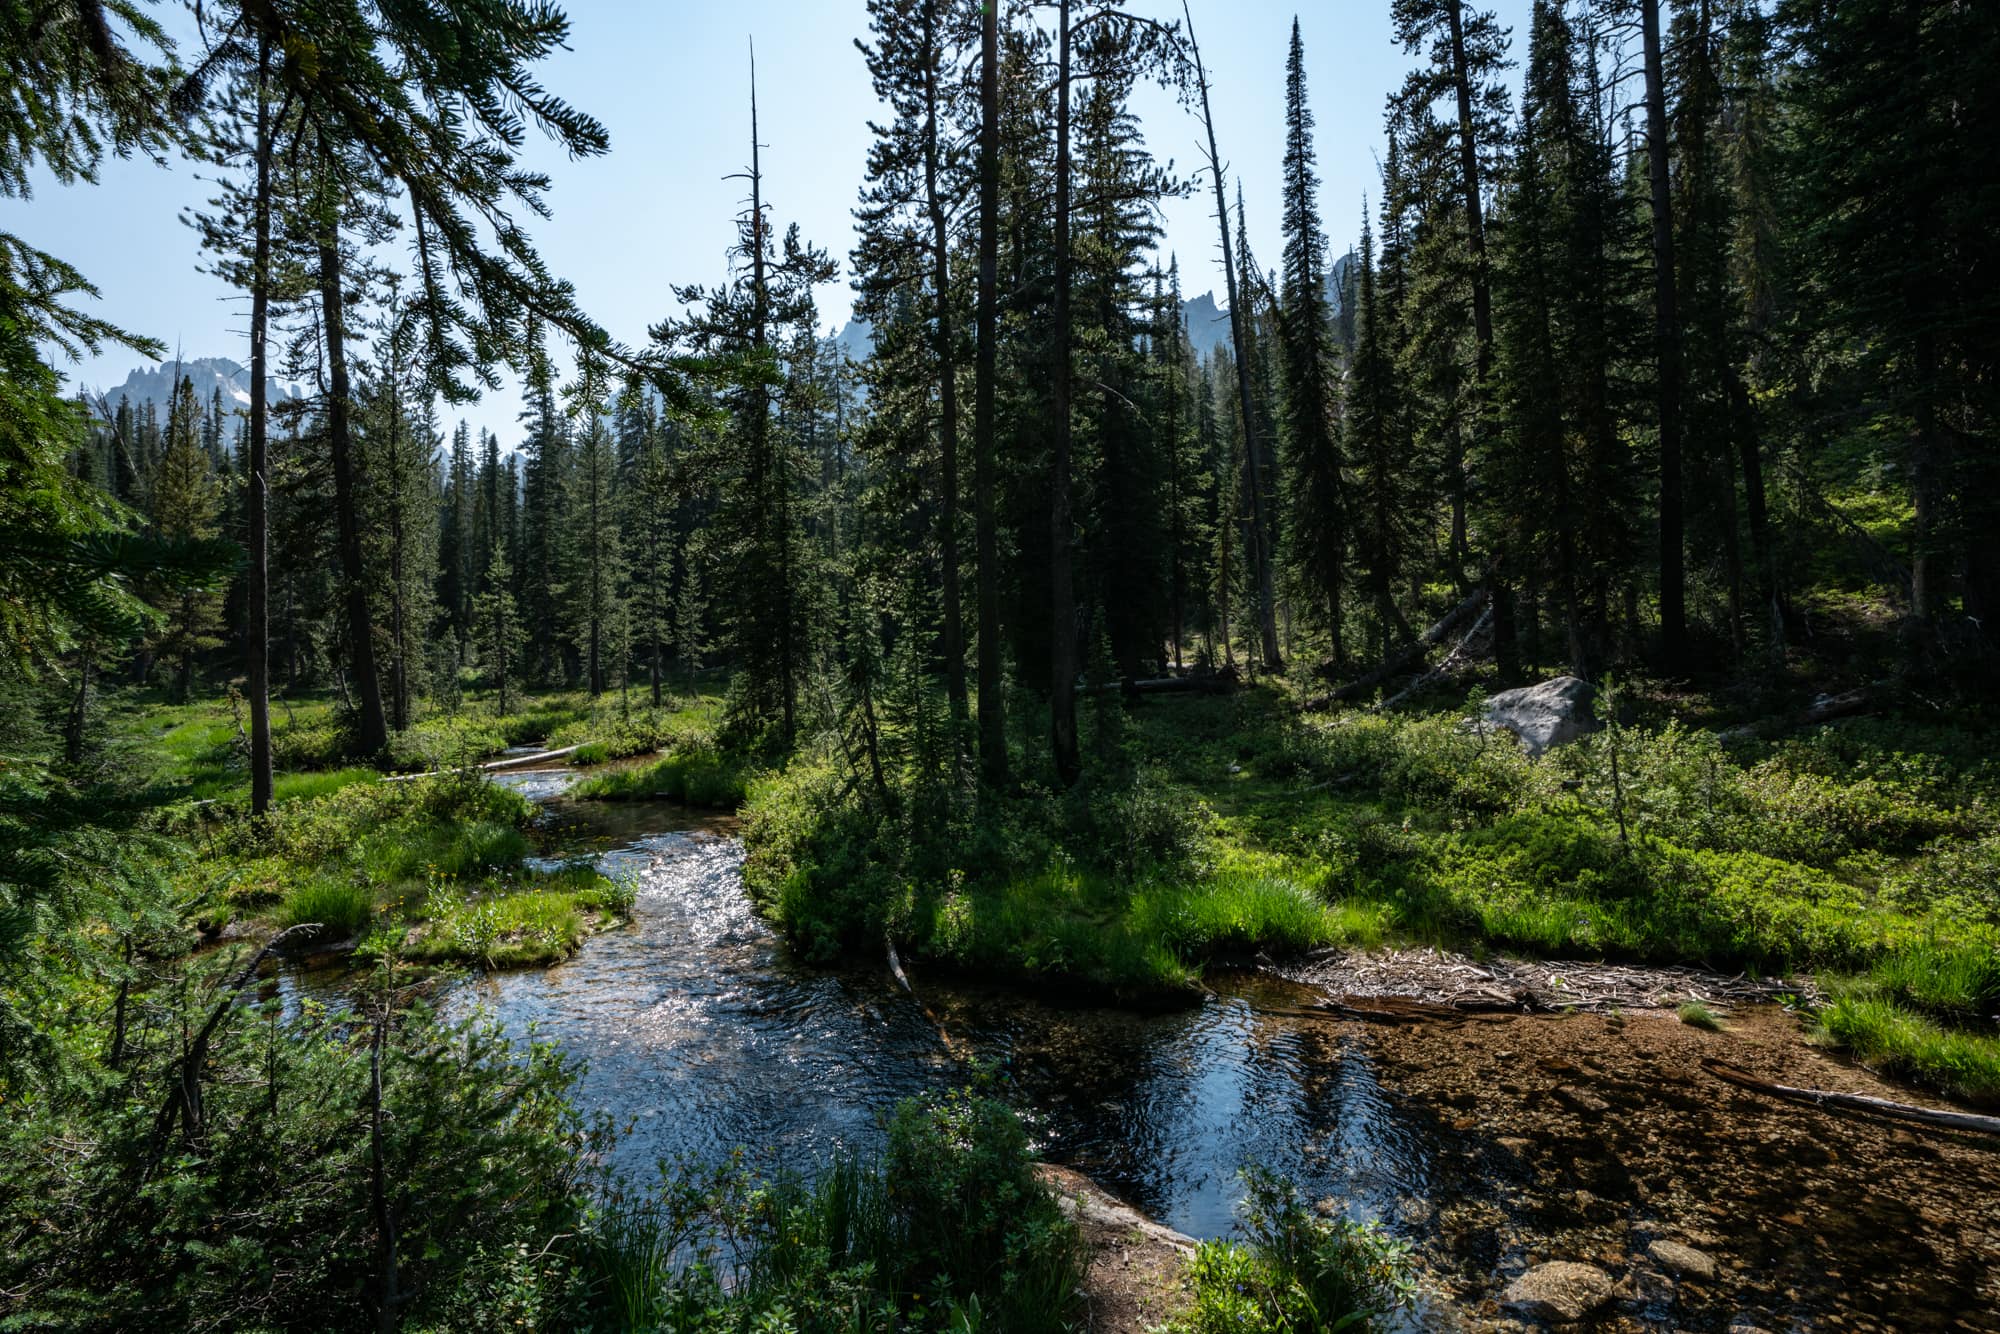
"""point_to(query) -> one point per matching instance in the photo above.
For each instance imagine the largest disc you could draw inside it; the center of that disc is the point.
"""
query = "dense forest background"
(1680, 369)
(1666, 360)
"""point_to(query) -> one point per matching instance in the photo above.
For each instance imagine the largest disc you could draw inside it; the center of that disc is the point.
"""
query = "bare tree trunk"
(257, 592)
(986, 553)
(1254, 552)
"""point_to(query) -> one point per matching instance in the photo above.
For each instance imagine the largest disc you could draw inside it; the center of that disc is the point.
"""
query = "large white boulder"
(1547, 714)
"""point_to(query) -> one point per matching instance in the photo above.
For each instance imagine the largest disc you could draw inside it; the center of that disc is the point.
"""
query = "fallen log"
(1855, 1102)
(491, 766)
(1213, 683)
(1404, 658)
(1444, 665)
(1824, 709)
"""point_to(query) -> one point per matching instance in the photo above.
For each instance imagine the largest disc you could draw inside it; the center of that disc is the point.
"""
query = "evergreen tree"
(497, 626)
(187, 502)
(1316, 535)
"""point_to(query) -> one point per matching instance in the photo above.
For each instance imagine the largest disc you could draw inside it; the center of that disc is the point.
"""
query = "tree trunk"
(1254, 547)
(257, 592)
(1666, 337)
(399, 676)
(1062, 597)
(373, 729)
(986, 555)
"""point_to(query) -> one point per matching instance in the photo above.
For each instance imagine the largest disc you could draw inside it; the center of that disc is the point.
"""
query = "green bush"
(1295, 1271)
(950, 1230)
(1954, 878)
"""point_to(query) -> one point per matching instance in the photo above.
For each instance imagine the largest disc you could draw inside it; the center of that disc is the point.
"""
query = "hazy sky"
(669, 79)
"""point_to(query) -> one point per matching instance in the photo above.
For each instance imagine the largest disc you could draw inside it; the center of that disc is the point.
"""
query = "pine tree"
(596, 572)
(1373, 440)
(1246, 399)
(1316, 533)
(187, 502)
(497, 626)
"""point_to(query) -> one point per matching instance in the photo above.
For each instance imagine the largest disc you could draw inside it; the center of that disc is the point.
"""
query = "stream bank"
(1496, 1143)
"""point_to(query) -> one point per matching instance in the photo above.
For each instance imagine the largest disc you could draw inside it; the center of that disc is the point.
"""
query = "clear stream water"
(1492, 1143)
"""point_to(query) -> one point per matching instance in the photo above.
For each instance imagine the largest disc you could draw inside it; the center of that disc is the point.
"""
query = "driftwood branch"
(1403, 659)
(1444, 664)
(1855, 1102)
(491, 766)
(1210, 683)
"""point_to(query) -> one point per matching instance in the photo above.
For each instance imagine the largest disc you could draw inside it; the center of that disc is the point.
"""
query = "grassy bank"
(1210, 829)
(433, 870)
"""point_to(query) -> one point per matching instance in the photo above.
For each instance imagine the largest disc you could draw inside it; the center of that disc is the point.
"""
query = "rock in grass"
(1545, 715)
(1685, 1261)
(1559, 1290)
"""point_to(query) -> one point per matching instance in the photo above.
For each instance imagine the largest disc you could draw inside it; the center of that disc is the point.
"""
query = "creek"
(1492, 1143)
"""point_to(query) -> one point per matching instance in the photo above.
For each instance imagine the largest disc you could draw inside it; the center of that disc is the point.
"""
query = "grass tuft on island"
(1212, 830)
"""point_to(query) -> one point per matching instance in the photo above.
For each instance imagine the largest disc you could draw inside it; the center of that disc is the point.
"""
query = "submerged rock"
(1685, 1261)
(1559, 1290)
(1545, 715)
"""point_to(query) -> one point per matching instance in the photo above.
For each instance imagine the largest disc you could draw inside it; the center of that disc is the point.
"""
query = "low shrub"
(948, 1230)
(1294, 1271)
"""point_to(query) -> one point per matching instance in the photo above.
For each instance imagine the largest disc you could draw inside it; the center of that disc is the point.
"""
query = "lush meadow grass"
(1212, 829)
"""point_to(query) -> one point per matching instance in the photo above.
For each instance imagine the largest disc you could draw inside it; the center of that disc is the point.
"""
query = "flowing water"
(1493, 1143)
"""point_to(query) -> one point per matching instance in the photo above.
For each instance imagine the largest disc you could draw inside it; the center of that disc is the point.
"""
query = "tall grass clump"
(1899, 1042)
(340, 907)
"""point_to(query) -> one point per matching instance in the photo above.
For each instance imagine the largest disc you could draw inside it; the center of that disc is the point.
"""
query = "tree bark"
(986, 557)
(372, 733)
(257, 592)
(1667, 350)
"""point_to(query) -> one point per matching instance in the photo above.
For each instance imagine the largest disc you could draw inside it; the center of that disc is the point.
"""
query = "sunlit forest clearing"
(1447, 782)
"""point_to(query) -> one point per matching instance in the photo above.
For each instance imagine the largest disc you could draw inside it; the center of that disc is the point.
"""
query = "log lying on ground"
(1212, 683)
(1403, 659)
(1822, 710)
(491, 766)
(1445, 664)
(1855, 1102)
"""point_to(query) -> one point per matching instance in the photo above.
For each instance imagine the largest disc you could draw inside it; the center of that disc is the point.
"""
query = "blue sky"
(670, 81)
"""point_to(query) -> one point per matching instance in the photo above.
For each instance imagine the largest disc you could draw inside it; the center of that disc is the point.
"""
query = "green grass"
(1696, 1015)
(310, 786)
(535, 922)
(697, 776)
(1898, 1042)
(341, 907)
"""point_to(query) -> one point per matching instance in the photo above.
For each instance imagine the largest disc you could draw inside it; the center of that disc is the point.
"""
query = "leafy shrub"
(1955, 878)
(950, 1230)
(1295, 1271)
